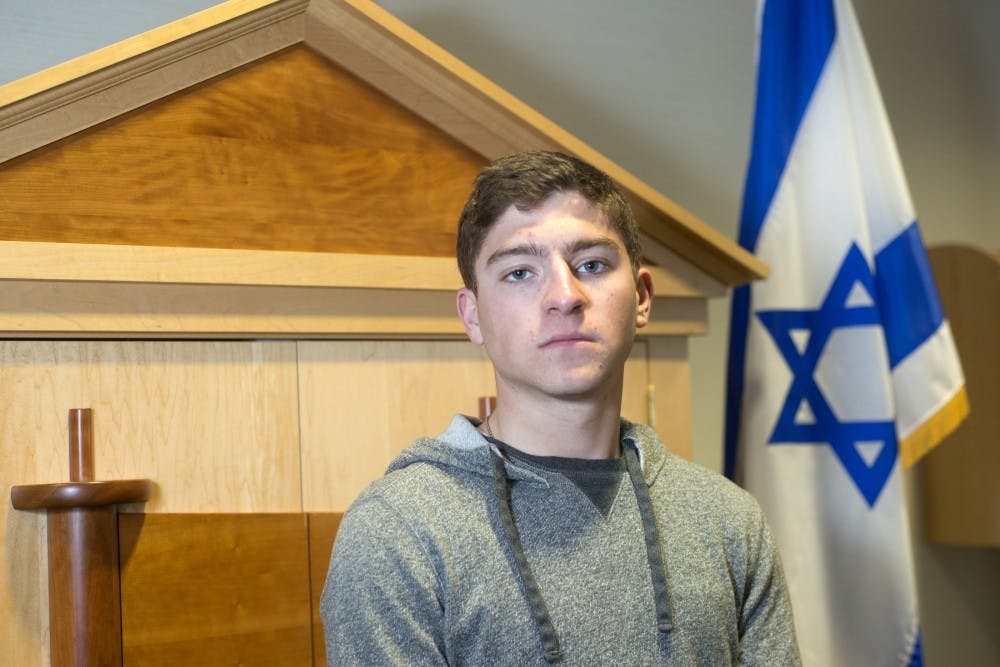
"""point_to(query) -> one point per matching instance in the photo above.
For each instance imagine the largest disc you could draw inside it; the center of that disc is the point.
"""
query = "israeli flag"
(842, 365)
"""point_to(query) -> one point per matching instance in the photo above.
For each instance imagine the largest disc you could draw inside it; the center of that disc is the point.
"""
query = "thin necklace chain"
(489, 431)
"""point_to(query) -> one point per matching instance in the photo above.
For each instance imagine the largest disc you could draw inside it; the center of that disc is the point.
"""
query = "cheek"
(621, 307)
(499, 328)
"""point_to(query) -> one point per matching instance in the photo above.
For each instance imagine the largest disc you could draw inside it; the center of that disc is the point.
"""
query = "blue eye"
(517, 275)
(592, 266)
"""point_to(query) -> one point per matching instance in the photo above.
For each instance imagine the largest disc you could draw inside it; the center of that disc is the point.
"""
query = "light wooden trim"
(679, 275)
(670, 383)
(85, 262)
(92, 290)
(139, 45)
(71, 309)
(422, 76)
(27, 260)
(52, 104)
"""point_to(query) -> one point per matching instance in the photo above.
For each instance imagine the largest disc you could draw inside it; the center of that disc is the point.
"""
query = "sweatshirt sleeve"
(767, 629)
(380, 604)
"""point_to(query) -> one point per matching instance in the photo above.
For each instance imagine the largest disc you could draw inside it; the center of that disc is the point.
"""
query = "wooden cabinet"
(246, 426)
(361, 402)
(959, 478)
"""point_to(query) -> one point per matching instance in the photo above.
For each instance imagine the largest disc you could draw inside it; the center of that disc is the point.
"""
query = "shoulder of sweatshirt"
(692, 488)
(424, 491)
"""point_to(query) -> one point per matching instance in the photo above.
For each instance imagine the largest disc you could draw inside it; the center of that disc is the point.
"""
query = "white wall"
(665, 88)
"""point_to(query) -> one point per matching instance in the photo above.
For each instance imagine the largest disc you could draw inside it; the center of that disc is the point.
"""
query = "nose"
(564, 291)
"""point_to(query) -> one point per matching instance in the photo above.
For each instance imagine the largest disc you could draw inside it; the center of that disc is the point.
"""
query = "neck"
(576, 429)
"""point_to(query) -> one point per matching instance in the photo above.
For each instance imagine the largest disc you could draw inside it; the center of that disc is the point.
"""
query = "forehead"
(563, 217)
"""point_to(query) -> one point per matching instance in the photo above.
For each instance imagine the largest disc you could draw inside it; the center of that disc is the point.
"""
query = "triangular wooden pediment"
(285, 125)
(288, 153)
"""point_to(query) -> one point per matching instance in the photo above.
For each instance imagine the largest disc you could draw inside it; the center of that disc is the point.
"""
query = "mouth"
(566, 340)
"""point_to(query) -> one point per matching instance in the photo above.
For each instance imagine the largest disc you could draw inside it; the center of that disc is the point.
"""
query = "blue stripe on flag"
(795, 39)
(917, 654)
(738, 320)
(908, 300)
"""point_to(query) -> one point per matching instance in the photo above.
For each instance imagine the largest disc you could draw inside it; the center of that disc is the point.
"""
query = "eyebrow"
(535, 250)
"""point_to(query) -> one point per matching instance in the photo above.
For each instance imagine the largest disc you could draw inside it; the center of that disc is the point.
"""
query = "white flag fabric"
(842, 365)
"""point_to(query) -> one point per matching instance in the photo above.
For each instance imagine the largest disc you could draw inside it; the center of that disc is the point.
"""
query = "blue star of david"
(826, 428)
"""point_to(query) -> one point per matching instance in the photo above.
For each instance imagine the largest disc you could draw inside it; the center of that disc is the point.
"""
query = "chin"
(582, 388)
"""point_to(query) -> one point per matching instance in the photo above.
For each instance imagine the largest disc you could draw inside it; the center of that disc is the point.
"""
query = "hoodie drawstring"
(657, 567)
(529, 585)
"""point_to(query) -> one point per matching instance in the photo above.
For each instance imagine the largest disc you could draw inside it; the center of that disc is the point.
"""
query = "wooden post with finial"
(84, 590)
(487, 404)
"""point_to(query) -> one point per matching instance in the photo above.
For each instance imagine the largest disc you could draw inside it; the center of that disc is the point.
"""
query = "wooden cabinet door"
(213, 423)
(362, 402)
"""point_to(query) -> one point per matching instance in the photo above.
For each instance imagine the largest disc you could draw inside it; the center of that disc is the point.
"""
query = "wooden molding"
(82, 262)
(72, 290)
(678, 276)
(153, 48)
(48, 106)
(65, 290)
(70, 309)
(26, 260)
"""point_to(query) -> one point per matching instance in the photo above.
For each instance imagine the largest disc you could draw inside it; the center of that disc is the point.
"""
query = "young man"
(554, 531)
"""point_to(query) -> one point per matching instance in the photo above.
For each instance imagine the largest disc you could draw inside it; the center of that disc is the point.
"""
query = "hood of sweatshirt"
(462, 447)
(466, 451)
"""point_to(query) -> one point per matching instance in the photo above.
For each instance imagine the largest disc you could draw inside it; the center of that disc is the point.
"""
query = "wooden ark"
(231, 238)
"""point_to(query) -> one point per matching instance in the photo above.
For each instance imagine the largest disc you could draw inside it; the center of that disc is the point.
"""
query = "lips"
(566, 340)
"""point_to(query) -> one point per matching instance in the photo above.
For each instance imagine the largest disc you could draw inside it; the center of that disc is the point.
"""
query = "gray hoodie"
(458, 556)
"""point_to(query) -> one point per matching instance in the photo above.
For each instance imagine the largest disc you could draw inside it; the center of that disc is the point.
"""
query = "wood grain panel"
(670, 377)
(50, 105)
(215, 589)
(80, 310)
(362, 402)
(322, 532)
(635, 392)
(90, 262)
(959, 477)
(24, 631)
(214, 425)
(291, 153)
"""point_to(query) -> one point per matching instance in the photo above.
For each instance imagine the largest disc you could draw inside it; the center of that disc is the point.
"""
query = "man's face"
(557, 306)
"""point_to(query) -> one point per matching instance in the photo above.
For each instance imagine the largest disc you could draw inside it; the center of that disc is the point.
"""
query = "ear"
(468, 312)
(644, 297)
